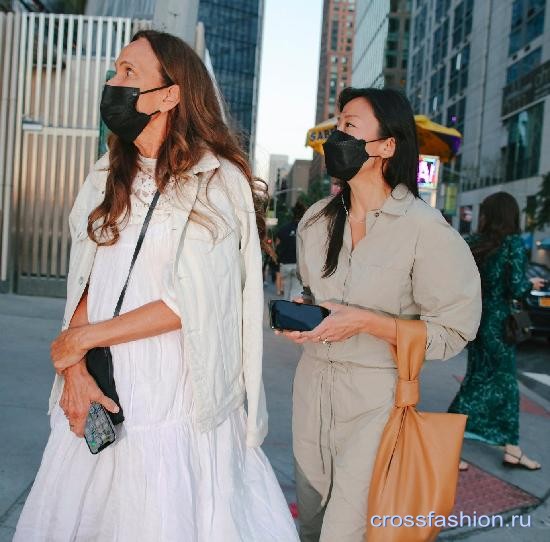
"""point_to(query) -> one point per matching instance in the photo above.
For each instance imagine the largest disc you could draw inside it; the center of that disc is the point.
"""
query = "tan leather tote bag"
(416, 469)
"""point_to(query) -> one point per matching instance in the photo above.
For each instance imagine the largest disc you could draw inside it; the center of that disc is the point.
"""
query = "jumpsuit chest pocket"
(378, 287)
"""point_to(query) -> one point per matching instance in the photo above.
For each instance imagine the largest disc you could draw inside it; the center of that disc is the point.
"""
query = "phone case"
(290, 316)
(100, 431)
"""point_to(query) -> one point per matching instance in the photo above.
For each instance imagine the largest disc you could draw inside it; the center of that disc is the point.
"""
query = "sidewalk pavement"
(30, 323)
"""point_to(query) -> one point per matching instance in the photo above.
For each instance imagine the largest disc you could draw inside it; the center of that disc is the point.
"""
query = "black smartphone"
(100, 431)
(290, 316)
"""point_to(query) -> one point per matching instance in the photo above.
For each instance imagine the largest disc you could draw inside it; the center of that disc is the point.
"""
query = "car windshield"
(538, 270)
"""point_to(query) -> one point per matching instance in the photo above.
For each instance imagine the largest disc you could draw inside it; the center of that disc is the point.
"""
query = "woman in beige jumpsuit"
(372, 253)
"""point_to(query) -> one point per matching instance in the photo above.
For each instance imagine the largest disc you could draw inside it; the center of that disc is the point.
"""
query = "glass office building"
(233, 31)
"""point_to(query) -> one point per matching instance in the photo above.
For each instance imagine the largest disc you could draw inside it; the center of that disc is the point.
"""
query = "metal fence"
(50, 136)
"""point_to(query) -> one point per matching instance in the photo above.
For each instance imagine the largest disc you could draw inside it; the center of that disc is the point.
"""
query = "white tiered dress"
(162, 480)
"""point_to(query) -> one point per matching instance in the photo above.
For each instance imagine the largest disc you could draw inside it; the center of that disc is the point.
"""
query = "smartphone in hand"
(290, 316)
(99, 431)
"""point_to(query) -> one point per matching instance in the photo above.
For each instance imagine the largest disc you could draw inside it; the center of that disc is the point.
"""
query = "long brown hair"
(195, 125)
(499, 217)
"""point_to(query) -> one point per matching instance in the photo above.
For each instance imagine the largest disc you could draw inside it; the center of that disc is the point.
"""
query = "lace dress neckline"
(143, 189)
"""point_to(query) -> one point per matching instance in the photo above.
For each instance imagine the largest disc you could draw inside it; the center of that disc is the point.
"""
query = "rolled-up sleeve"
(446, 287)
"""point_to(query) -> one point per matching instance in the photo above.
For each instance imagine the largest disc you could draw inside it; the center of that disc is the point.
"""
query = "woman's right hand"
(538, 283)
(79, 392)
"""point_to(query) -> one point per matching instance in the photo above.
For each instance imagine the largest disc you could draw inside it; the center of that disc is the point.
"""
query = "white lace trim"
(143, 191)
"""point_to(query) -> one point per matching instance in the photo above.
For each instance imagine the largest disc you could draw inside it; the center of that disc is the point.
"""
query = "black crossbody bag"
(517, 326)
(99, 361)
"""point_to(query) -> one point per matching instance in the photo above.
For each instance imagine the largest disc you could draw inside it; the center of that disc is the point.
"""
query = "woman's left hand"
(67, 349)
(342, 323)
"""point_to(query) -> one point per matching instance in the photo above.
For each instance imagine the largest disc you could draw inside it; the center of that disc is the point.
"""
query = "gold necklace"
(349, 215)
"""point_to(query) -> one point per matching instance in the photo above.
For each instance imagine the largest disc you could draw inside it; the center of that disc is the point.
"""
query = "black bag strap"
(137, 249)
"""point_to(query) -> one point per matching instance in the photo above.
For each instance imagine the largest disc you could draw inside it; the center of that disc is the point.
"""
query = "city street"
(375, 138)
(29, 323)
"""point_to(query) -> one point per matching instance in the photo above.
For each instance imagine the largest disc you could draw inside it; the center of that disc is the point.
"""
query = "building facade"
(298, 180)
(278, 170)
(233, 30)
(233, 36)
(484, 68)
(335, 65)
(381, 46)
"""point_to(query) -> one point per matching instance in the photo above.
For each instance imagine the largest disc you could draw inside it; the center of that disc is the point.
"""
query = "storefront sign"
(451, 191)
(428, 172)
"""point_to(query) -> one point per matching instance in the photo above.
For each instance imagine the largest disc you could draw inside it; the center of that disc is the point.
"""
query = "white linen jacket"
(217, 282)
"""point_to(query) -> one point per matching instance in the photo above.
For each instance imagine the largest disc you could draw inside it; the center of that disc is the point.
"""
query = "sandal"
(519, 464)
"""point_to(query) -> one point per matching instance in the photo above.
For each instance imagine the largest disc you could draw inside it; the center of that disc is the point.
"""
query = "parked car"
(538, 301)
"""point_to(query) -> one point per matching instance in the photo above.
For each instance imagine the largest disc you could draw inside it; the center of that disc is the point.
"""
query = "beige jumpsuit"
(410, 264)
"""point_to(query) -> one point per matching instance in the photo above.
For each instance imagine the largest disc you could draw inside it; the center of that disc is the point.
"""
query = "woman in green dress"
(489, 394)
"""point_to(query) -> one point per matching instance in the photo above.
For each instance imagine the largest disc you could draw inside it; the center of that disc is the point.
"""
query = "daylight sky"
(288, 78)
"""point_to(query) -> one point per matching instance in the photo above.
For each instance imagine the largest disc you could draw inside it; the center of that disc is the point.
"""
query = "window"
(527, 23)
(420, 27)
(416, 73)
(393, 25)
(391, 61)
(522, 153)
(524, 66)
(456, 114)
(392, 45)
(437, 89)
(441, 8)
(458, 72)
(441, 39)
(334, 35)
(462, 25)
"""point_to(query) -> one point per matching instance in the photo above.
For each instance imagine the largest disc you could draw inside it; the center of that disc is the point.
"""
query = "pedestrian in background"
(270, 265)
(285, 243)
(371, 254)
(489, 392)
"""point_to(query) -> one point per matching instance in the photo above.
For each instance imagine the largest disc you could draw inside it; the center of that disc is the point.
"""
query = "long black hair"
(498, 217)
(395, 118)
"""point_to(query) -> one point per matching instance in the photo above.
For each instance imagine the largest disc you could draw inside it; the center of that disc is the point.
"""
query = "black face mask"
(118, 111)
(345, 155)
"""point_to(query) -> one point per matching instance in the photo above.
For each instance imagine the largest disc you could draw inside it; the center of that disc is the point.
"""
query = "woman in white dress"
(186, 464)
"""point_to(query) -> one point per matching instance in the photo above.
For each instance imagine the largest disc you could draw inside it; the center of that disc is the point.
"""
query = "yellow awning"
(433, 139)
(317, 135)
(436, 139)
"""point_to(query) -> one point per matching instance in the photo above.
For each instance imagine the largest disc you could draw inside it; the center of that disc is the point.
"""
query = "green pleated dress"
(489, 393)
